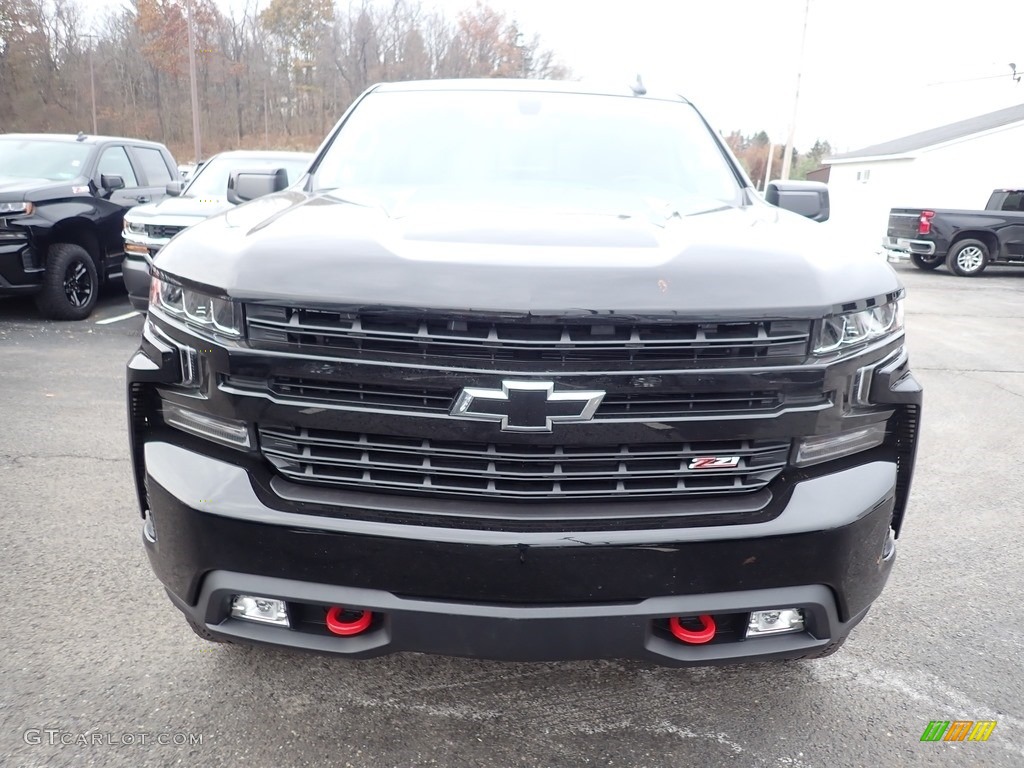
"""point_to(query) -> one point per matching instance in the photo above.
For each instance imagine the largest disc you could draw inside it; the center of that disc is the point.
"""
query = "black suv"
(522, 370)
(62, 204)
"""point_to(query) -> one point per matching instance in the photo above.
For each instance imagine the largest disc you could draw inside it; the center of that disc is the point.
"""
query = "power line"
(1013, 76)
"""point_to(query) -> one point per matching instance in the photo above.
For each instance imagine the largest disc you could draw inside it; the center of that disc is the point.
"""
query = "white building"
(953, 166)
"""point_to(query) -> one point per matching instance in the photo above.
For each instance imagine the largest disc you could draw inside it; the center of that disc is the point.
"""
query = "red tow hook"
(347, 628)
(694, 636)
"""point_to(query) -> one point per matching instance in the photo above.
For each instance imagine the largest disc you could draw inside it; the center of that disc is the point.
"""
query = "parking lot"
(91, 645)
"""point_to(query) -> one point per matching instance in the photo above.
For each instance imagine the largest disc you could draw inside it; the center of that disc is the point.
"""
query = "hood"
(177, 211)
(13, 188)
(755, 261)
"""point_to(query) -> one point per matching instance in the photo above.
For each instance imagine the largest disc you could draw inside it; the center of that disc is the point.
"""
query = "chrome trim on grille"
(404, 400)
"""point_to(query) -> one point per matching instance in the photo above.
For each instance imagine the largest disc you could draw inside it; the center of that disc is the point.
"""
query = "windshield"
(33, 159)
(212, 178)
(591, 148)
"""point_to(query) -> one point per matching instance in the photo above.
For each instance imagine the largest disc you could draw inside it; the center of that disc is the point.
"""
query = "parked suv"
(523, 370)
(148, 228)
(62, 201)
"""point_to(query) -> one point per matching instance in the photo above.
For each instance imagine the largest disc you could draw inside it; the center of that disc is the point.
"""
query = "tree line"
(274, 76)
(752, 152)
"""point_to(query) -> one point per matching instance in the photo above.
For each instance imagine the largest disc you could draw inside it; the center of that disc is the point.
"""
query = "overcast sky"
(873, 69)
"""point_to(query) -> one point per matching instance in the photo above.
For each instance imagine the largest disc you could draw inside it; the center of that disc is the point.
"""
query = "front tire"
(926, 263)
(967, 258)
(71, 283)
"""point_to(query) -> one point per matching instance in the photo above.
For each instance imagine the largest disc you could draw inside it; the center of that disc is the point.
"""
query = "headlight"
(841, 332)
(200, 311)
(134, 227)
(7, 209)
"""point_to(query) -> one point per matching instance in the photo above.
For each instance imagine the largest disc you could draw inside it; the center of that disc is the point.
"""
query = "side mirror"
(248, 185)
(111, 183)
(808, 198)
(174, 188)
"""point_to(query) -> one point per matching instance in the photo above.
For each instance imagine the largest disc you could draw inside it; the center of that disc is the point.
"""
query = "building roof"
(940, 135)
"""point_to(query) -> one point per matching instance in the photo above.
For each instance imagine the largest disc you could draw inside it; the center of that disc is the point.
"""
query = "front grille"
(518, 471)
(426, 400)
(162, 231)
(525, 339)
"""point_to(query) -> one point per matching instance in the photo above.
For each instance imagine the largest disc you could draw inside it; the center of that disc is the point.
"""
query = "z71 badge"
(715, 462)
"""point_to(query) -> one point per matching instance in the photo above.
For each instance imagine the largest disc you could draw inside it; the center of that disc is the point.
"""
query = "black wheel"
(967, 258)
(203, 632)
(821, 653)
(71, 284)
(926, 262)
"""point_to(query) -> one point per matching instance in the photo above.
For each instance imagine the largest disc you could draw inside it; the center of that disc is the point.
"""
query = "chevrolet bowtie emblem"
(526, 406)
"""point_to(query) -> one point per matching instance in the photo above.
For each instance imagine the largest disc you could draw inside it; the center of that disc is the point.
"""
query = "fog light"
(775, 622)
(227, 431)
(264, 610)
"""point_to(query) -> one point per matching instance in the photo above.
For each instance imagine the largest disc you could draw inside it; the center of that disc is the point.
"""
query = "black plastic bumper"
(14, 279)
(135, 272)
(517, 633)
(518, 595)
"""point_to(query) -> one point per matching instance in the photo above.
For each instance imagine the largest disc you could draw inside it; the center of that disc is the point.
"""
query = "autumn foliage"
(752, 152)
(275, 73)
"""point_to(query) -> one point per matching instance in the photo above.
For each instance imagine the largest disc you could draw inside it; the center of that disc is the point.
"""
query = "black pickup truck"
(965, 241)
(523, 370)
(62, 205)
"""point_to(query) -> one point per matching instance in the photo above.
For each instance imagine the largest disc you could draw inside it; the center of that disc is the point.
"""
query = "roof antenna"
(80, 137)
(1016, 77)
(638, 87)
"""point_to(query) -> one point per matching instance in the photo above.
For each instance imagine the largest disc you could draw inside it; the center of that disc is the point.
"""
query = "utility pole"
(92, 87)
(266, 117)
(768, 166)
(92, 82)
(195, 92)
(788, 158)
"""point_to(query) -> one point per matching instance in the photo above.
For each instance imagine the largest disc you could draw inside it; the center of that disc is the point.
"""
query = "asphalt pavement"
(98, 669)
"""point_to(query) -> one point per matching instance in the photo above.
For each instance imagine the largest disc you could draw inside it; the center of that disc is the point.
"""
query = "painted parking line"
(116, 319)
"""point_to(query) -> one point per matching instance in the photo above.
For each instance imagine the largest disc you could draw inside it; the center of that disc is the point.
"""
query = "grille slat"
(162, 231)
(638, 405)
(517, 471)
(526, 339)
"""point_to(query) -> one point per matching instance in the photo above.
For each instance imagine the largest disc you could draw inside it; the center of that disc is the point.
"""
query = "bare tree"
(271, 74)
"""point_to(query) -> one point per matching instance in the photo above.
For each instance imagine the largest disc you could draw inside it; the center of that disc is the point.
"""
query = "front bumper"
(442, 577)
(21, 268)
(135, 271)
(518, 595)
(514, 633)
